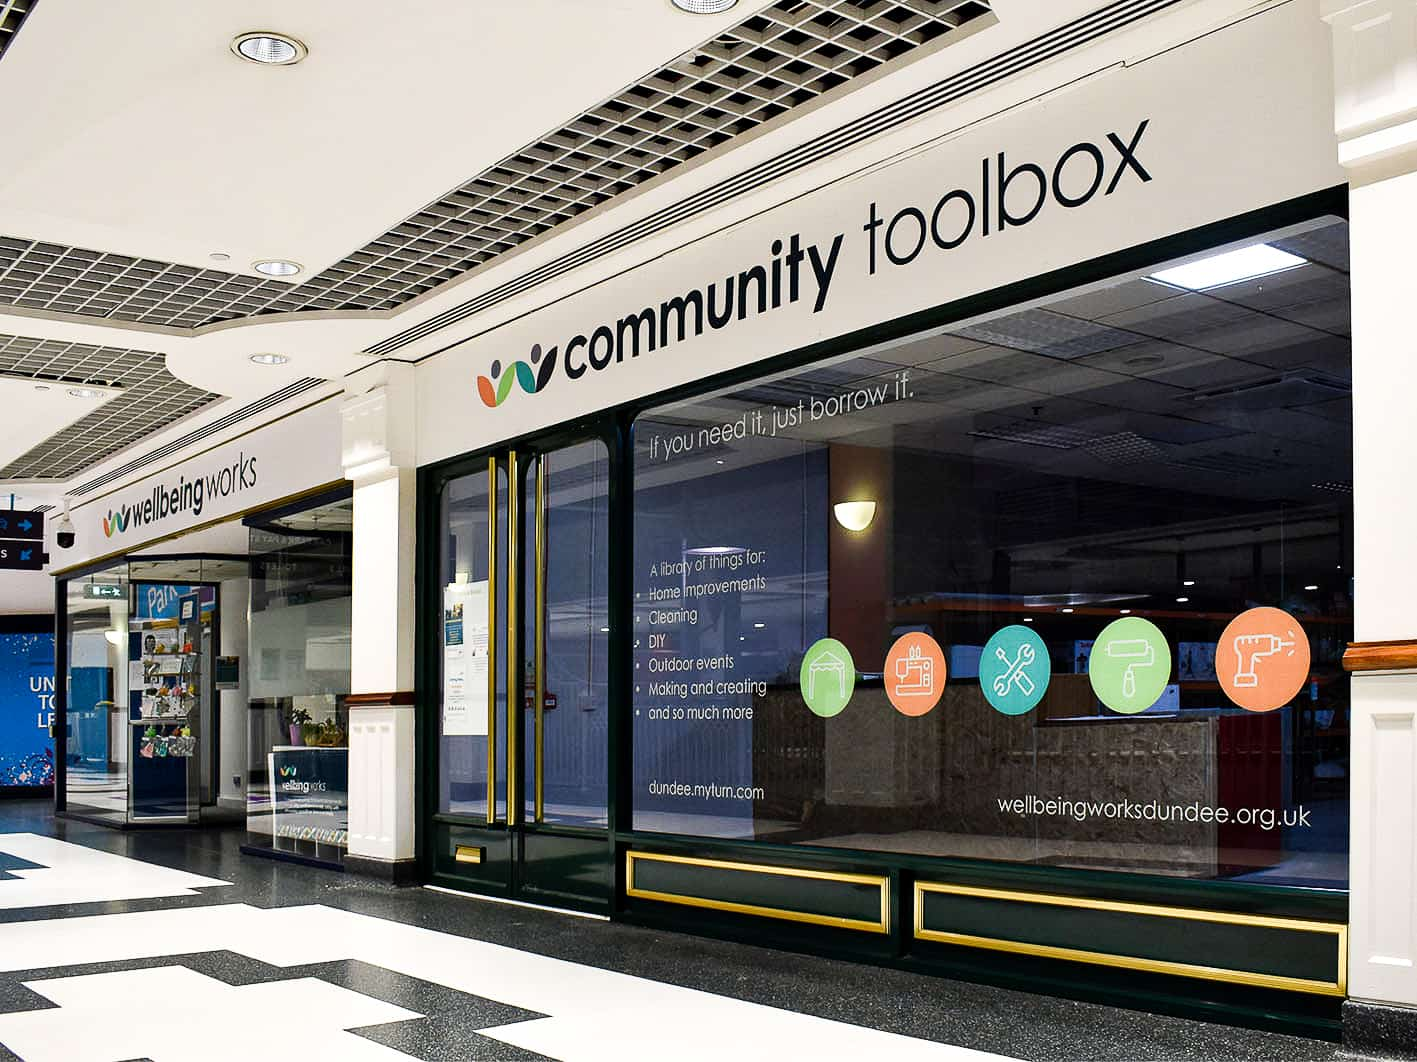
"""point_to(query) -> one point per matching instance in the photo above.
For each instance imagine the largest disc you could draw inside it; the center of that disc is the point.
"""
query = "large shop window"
(1064, 586)
(297, 790)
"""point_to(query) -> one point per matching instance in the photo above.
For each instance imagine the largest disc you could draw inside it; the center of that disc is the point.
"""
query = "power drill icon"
(1250, 649)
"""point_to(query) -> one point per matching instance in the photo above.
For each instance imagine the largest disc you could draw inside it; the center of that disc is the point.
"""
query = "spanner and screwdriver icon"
(1014, 673)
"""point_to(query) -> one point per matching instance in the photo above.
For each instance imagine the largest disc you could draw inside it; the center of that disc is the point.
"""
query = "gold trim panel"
(881, 925)
(465, 853)
(1338, 930)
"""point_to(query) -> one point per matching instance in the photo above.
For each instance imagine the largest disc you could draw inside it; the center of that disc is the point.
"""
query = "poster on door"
(466, 626)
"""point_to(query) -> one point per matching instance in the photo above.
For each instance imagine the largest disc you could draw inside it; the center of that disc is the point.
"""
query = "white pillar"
(378, 457)
(1375, 86)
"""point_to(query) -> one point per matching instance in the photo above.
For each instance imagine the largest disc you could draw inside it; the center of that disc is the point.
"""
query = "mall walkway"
(174, 947)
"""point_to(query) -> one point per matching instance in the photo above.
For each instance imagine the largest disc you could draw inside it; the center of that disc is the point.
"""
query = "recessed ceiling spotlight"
(1125, 611)
(1312, 586)
(276, 267)
(219, 256)
(1144, 361)
(269, 49)
(1028, 619)
(41, 387)
(1182, 600)
(84, 392)
(1259, 260)
(269, 359)
(1188, 582)
(703, 7)
(1067, 611)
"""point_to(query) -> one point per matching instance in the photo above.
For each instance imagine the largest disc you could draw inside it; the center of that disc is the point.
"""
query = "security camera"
(64, 532)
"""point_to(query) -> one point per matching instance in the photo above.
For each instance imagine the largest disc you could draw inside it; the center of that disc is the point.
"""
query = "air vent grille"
(780, 58)
(151, 400)
(12, 16)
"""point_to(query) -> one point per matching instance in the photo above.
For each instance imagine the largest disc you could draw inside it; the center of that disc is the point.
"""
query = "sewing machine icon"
(915, 674)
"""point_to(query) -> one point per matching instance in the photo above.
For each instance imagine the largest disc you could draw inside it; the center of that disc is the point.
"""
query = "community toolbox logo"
(533, 376)
(992, 201)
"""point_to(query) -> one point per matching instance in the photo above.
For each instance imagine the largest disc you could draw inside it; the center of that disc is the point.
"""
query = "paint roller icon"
(1140, 652)
(1251, 649)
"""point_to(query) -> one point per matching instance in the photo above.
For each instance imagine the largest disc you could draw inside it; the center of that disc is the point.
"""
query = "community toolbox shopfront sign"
(1123, 159)
(276, 461)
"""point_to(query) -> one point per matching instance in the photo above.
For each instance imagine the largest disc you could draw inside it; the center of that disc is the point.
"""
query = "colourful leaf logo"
(114, 523)
(532, 376)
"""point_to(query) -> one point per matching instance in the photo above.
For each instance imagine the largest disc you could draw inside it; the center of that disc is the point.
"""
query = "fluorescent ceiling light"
(1182, 600)
(703, 7)
(759, 626)
(269, 359)
(1229, 268)
(276, 267)
(269, 49)
(84, 392)
(713, 551)
(1312, 586)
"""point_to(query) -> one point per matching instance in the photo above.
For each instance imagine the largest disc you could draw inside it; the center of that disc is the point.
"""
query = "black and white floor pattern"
(235, 981)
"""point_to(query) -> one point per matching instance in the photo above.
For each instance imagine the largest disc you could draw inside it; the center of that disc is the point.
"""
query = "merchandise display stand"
(164, 695)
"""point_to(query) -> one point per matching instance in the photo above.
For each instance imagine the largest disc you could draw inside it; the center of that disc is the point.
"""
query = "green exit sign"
(104, 590)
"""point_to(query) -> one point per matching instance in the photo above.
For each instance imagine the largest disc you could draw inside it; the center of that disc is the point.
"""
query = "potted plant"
(296, 718)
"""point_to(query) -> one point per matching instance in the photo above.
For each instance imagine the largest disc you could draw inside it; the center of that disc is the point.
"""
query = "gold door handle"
(513, 663)
(539, 651)
(491, 640)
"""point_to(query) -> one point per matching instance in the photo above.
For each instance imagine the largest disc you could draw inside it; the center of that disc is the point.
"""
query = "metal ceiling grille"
(775, 60)
(152, 399)
(12, 16)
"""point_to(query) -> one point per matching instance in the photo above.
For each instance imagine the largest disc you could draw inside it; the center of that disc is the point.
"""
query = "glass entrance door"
(523, 707)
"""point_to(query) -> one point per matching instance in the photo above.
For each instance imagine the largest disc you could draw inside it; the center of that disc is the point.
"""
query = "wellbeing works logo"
(532, 375)
(188, 496)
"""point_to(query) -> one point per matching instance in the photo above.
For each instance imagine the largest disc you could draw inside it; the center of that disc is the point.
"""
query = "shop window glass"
(1068, 585)
(96, 748)
(298, 678)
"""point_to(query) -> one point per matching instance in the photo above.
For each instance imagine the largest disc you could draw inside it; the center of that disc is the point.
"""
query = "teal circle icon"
(828, 677)
(1014, 670)
(1130, 665)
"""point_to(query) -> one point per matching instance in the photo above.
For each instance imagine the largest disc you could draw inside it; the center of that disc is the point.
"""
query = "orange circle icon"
(915, 673)
(1262, 660)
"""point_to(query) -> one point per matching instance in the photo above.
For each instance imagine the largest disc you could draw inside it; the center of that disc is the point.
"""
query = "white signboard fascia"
(1232, 122)
(284, 458)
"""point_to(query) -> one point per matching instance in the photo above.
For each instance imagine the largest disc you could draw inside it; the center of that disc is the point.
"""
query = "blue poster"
(26, 709)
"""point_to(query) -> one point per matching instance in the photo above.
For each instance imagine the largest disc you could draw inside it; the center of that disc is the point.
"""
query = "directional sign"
(17, 523)
(22, 556)
(103, 590)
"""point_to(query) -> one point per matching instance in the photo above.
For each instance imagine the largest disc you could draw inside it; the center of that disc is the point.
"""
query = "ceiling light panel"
(152, 399)
(775, 60)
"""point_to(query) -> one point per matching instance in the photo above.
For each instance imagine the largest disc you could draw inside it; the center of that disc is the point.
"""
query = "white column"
(1375, 67)
(378, 458)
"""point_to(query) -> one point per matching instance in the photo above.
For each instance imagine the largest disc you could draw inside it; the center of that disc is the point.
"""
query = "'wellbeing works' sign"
(287, 457)
(186, 496)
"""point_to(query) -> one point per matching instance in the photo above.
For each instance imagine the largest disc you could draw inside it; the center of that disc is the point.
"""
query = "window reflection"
(1008, 491)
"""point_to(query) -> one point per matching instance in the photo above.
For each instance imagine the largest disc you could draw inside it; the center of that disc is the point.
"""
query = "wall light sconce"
(855, 515)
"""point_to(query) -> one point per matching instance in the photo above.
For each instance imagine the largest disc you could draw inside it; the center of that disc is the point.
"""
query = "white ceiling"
(33, 410)
(170, 147)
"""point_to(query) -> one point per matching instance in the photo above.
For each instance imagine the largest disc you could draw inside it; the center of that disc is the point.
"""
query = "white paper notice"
(466, 624)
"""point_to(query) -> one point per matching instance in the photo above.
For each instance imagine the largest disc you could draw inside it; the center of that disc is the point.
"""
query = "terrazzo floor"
(174, 947)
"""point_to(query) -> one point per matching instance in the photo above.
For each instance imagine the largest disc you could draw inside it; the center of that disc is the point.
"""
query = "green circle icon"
(1130, 665)
(828, 677)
